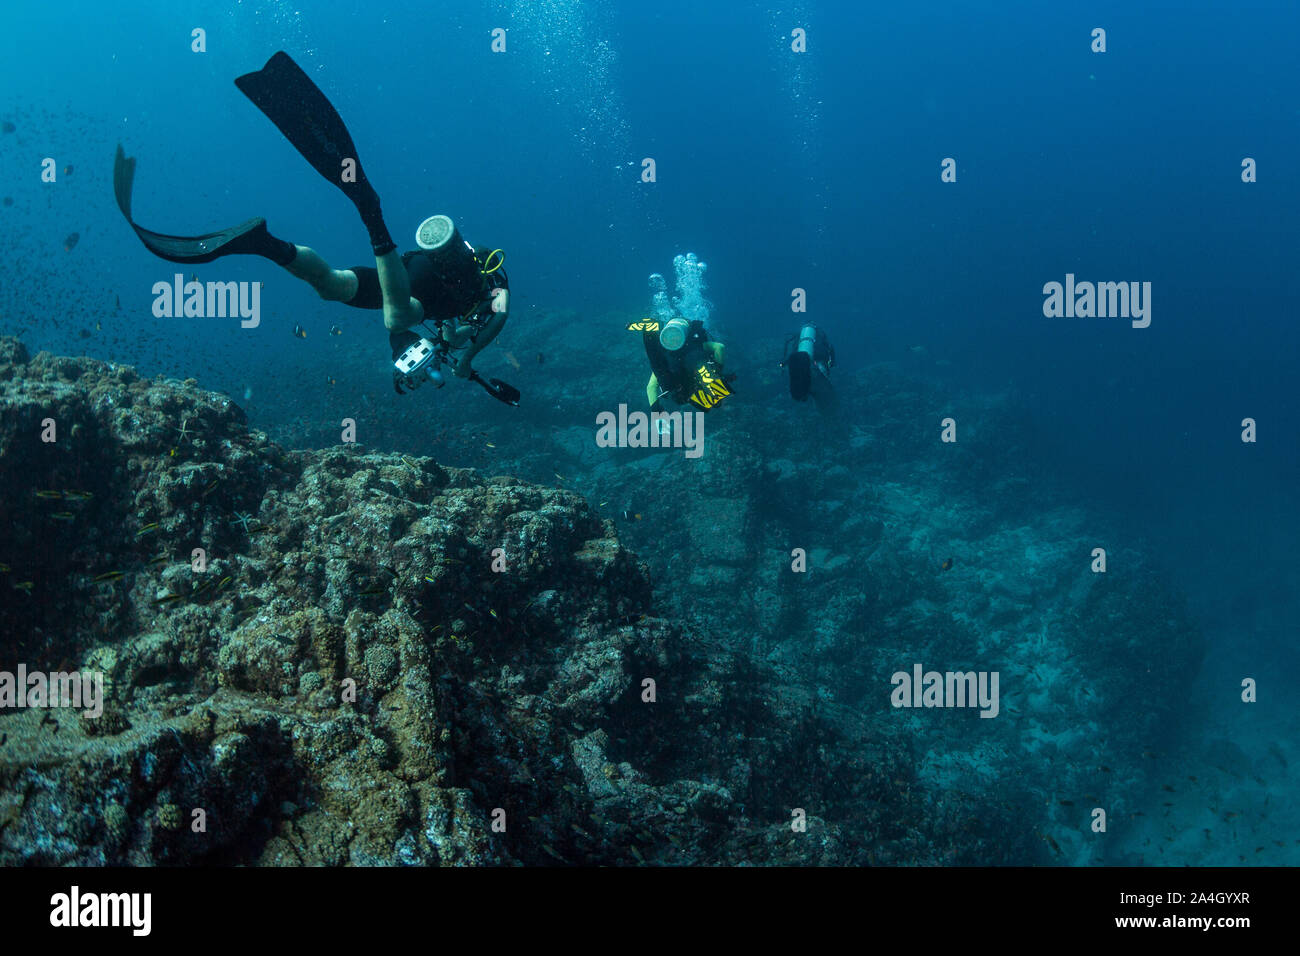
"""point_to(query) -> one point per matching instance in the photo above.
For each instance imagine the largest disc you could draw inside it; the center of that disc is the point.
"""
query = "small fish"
(372, 591)
(514, 362)
(48, 494)
(24, 586)
(540, 358)
(299, 332)
(1104, 769)
(1066, 803)
(63, 516)
(1168, 789)
(70, 243)
(4, 568)
(637, 516)
(1166, 804)
(158, 560)
(335, 330)
(67, 170)
(79, 495)
(330, 380)
(547, 847)
(493, 613)
(151, 526)
(602, 504)
(172, 453)
(560, 476)
(490, 445)
(637, 853)
(117, 303)
(947, 565)
(430, 579)
(224, 581)
(168, 599)
(108, 576)
(1052, 843)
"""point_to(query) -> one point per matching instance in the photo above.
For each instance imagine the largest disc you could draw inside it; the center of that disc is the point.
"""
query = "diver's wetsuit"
(674, 372)
(443, 295)
(823, 354)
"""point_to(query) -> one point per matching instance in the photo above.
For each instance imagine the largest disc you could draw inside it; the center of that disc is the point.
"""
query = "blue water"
(818, 170)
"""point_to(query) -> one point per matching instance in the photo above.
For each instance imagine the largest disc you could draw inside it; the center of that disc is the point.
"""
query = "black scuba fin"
(501, 391)
(308, 120)
(247, 238)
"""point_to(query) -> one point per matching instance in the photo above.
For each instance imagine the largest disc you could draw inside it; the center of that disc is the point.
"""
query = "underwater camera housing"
(420, 360)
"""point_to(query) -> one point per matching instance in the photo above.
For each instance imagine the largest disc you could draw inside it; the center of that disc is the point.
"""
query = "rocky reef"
(336, 657)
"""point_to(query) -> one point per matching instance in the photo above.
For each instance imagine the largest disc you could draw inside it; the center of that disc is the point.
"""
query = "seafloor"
(350, 680)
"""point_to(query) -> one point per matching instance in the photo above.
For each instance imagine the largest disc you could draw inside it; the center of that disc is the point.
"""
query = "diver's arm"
(455, 335)
(332, 285)
(715, 349)
(500, 312)
(478, 343)
(400, 310)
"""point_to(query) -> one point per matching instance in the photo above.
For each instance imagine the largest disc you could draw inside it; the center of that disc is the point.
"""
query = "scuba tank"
(451, 255)
(807, 340)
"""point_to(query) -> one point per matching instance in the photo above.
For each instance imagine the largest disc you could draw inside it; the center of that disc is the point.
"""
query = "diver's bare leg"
(333, 285)
(400, 310)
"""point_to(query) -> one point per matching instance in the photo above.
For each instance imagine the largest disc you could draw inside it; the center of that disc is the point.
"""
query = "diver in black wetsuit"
(808, 358)
(462, 287)
(685, 363)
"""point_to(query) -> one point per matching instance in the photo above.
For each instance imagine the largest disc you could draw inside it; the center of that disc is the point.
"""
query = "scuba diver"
(809, 364)
(685, 364)
(461, 287)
